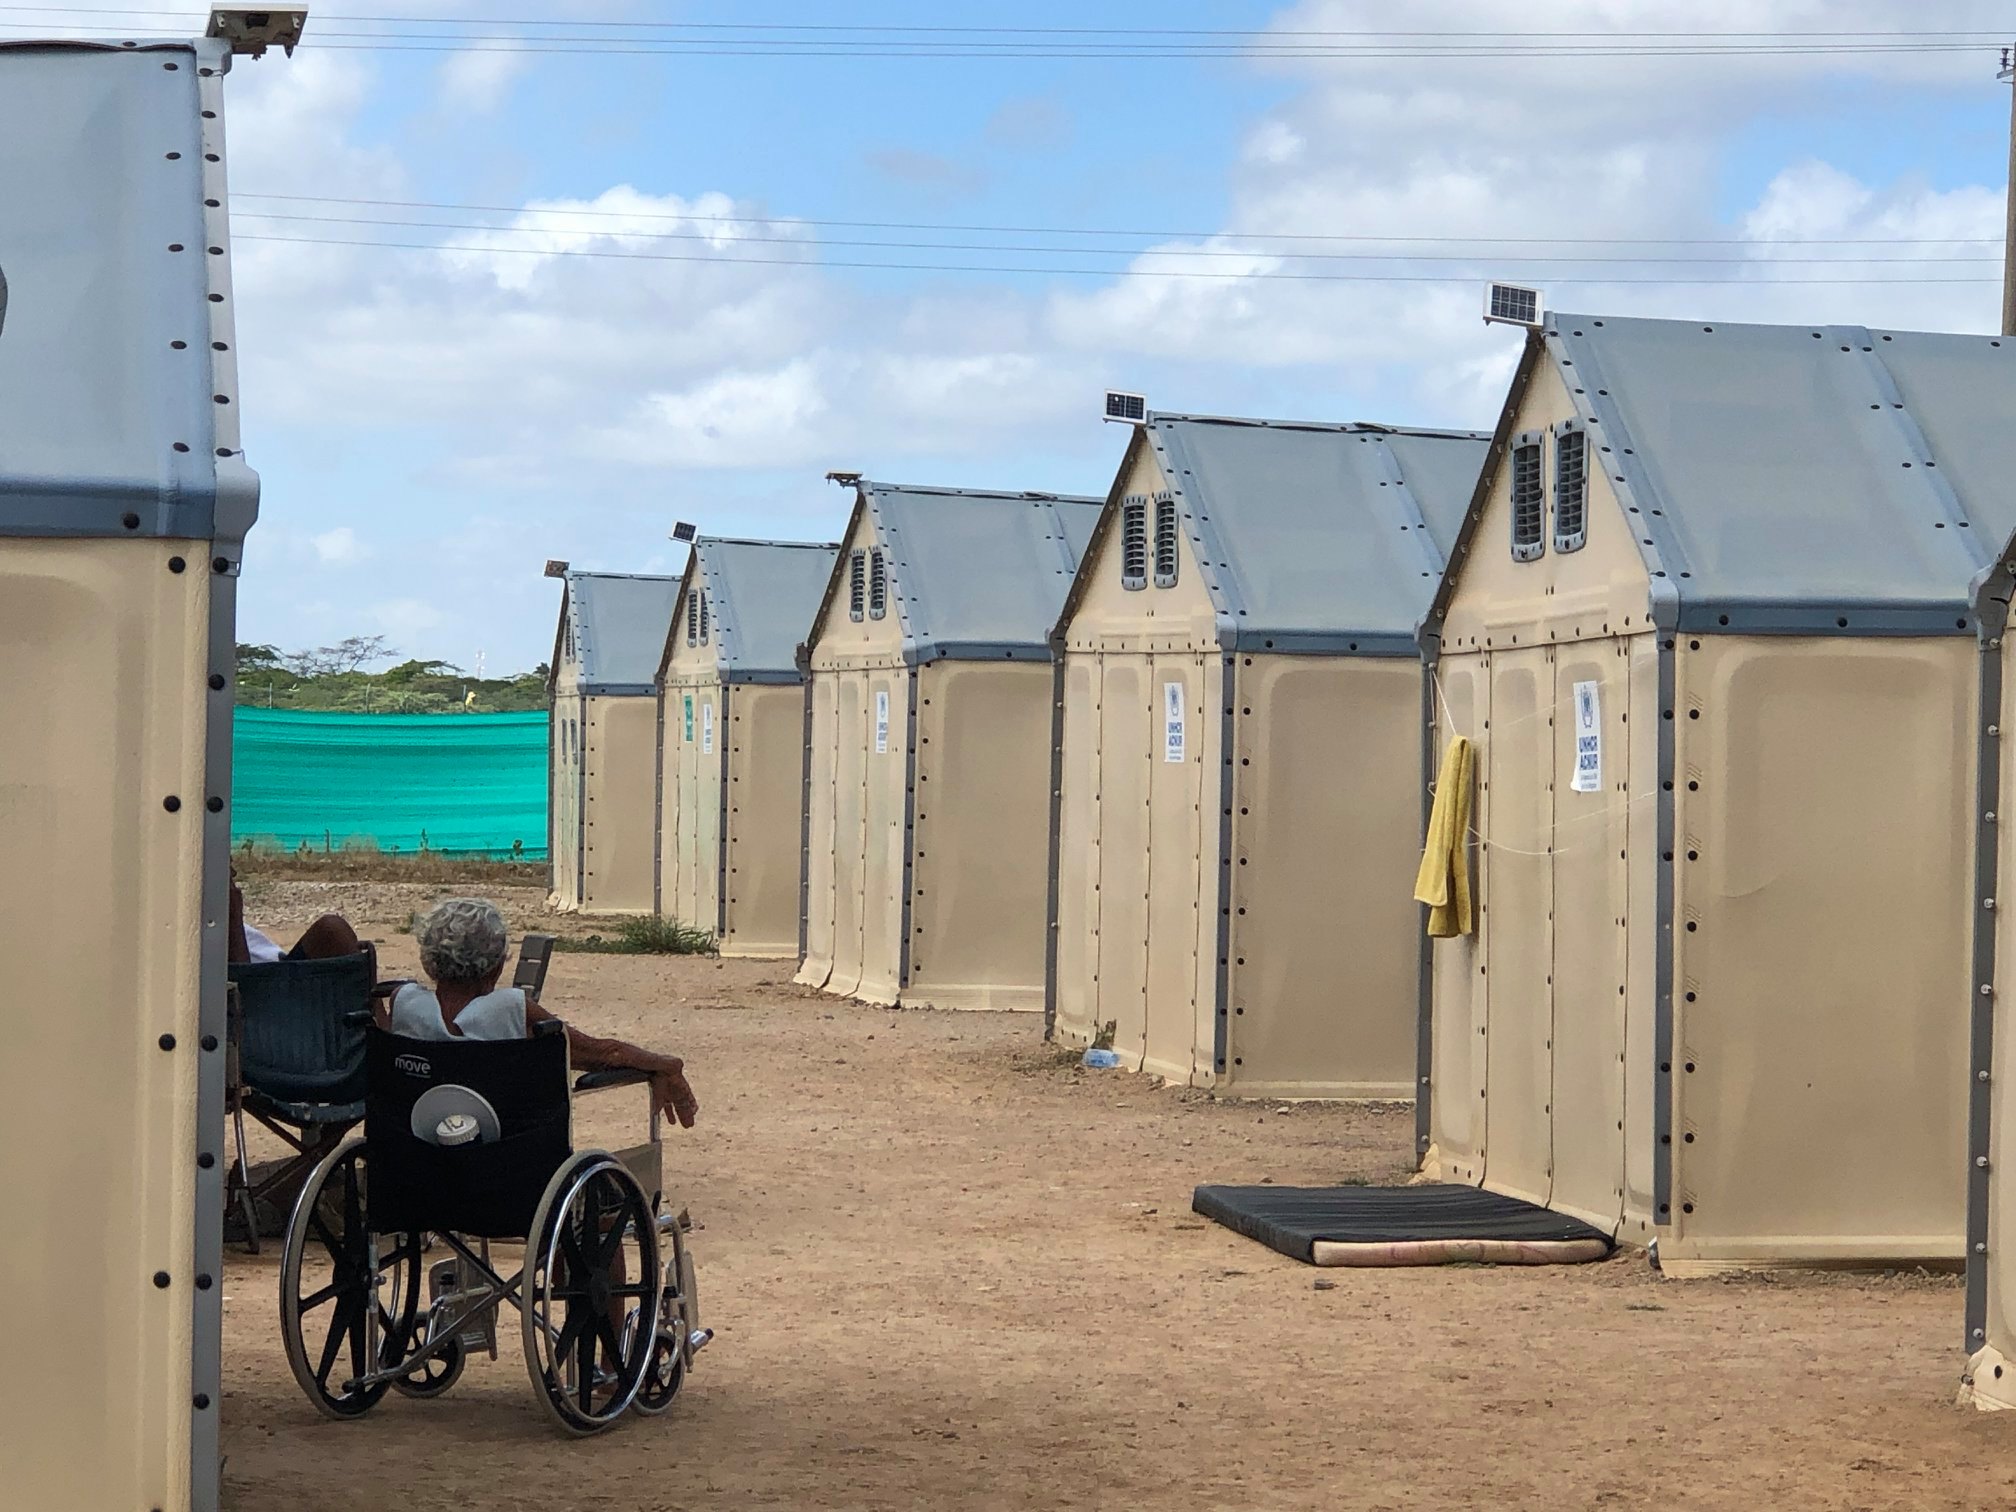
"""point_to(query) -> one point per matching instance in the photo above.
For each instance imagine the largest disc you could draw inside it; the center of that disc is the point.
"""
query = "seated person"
(328, 937)
(463, 944)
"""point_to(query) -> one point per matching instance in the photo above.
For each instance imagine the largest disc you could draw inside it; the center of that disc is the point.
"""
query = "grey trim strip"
(1723, 617)
(581, 803)
(721, 749)
(909, 832)
(764, 678)
(1227, 770)
(618, 690)
(1424, 1018)
(1666, 903)
(1386, 643)
(1051, 907)
(207, 1295)
(805, 815)
(923, 653)
(1981, 999)
(552, 793)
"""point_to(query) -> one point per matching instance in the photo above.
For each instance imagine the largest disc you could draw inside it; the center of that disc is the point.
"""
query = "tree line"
(334, 678)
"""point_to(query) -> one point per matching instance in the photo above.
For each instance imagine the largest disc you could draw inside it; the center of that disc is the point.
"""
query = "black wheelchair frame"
(605, 1291)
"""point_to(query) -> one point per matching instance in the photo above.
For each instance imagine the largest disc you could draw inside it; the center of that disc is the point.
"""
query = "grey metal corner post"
(804, 658)
(1424, 1027)
(1051, 910)
(1991, 617)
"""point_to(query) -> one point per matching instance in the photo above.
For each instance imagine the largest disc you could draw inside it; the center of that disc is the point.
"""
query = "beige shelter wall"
(1599, 590)
(980, 877)
(868, 851)
(1079, 856)
(1128, 735)
(105, 687)
(1180, 1003)
(1822, 958)
(1537, 1020)
(690, 826)
(564, 732)
(1459, 986)
(1999, 1348)
(620, 804)
(766, 756)
(821, 776)
(1325, 960)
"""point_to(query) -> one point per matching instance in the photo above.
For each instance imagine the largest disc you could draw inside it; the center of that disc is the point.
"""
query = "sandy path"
(949, 1270)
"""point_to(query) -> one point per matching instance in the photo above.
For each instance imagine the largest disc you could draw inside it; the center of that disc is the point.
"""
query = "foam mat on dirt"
(1392, 1226)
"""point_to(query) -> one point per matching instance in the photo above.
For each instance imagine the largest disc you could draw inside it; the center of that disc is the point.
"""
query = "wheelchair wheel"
(591, 1287)
(671, 1352)
(435, 1374)
(346, 1304)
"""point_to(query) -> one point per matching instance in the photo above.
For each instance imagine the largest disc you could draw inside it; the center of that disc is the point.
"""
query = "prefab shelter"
(124, 503)
(927, 766)
(602, 820)
(1238, 806)
(731, 741)
(1708, 626)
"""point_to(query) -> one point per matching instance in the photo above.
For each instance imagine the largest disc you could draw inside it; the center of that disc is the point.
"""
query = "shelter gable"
(691, 659)
(1602, 587)
(1106, 613)
(840, 640)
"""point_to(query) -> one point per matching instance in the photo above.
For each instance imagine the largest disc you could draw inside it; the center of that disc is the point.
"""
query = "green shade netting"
(475, 784)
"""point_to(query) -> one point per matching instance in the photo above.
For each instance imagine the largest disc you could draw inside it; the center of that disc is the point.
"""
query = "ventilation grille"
(705, 631)
(1165, 543)
(1571, 490)
(1134, 543)
(692, 619)
(1529, 503)
(878, 585)
(857, 584)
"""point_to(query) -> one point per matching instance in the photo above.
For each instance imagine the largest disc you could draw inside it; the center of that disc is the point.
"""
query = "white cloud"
(478, 82)
(339, 547)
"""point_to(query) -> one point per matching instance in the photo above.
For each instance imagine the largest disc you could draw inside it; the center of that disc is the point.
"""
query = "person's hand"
(673, 1095)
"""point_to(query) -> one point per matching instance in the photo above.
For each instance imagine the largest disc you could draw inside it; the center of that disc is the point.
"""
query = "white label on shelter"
(1172, 722)
(881, 721)
(689, 718)
(706, 729)
(1588, 738)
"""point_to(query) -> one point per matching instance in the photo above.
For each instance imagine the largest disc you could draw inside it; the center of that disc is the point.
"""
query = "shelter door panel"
(686, 900)
(1175, 862)
(766, 731)
(850, 828)
(1074, 990)
(707, 829)
(1458, 986)
(1518, 762)
(1129, 726)
(1591, 884)
(821, 833)
(1641, 1052)
(886, 846)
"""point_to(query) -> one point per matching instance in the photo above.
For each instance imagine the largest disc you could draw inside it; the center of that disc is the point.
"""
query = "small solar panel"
(1512, 304)
(1129, 409)
(685, 530)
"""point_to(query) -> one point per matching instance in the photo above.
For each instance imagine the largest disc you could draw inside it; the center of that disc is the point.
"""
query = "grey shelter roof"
(973, 575)
(761, 598)
(1795, 479)
(620, 622)
(1314, 538)
(112, 345)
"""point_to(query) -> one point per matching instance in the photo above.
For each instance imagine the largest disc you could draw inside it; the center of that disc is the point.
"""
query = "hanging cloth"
(1443, 882)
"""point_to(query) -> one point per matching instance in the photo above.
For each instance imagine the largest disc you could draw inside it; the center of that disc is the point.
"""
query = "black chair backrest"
(301, 1037)
(488, 1190)
(535, 951)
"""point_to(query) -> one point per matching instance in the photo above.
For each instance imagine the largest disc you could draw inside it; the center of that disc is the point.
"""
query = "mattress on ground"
(1413, 1225)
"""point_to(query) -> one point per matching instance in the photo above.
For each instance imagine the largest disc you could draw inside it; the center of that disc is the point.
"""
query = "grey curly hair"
(463, 940)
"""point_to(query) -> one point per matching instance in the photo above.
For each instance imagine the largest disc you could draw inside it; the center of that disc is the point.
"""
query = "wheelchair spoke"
(315, 1299)
(339, 1330)
(584, 1367)
(320, 1228)
(637, 1292)
(570, 1244)
(578, 1318)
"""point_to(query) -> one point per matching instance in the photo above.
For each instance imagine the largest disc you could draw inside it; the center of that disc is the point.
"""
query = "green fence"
(461, 784)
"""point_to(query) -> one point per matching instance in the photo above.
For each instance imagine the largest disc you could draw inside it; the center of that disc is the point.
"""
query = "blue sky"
(431, 426)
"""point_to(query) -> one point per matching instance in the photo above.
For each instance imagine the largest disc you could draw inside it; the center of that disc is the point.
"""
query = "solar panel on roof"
(1131, 409)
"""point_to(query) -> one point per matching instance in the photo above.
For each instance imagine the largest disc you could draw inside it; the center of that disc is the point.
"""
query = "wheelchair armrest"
(602, 1081)
(360, 1016)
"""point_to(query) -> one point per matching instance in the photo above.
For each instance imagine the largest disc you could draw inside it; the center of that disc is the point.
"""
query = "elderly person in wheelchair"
(467, 1140)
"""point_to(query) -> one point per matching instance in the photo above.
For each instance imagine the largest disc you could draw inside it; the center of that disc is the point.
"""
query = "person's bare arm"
(235, 948)
(590, 1052)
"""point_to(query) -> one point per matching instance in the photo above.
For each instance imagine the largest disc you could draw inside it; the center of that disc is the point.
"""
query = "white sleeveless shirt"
(500, 1015)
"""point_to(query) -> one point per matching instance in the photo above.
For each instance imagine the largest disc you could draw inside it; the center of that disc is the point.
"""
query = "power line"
(929, 267)
(934, 246)
(947, 228)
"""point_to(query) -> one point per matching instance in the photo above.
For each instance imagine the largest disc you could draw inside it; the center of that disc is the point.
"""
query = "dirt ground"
(949, 1268)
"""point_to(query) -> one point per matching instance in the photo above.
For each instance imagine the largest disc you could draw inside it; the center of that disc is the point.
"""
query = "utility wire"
(945, 228)
(934, 246)
(930, 267)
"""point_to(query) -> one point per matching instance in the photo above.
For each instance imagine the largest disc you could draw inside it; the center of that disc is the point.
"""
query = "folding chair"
(295, 1062)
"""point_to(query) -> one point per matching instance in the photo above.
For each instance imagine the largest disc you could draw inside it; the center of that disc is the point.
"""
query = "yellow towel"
(1443, 882)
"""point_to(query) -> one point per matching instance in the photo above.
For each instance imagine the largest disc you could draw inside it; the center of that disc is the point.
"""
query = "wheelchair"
(467, 1143)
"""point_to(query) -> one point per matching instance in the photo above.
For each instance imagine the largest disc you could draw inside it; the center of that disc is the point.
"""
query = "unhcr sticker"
(1588, 739)
(1172, 722)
